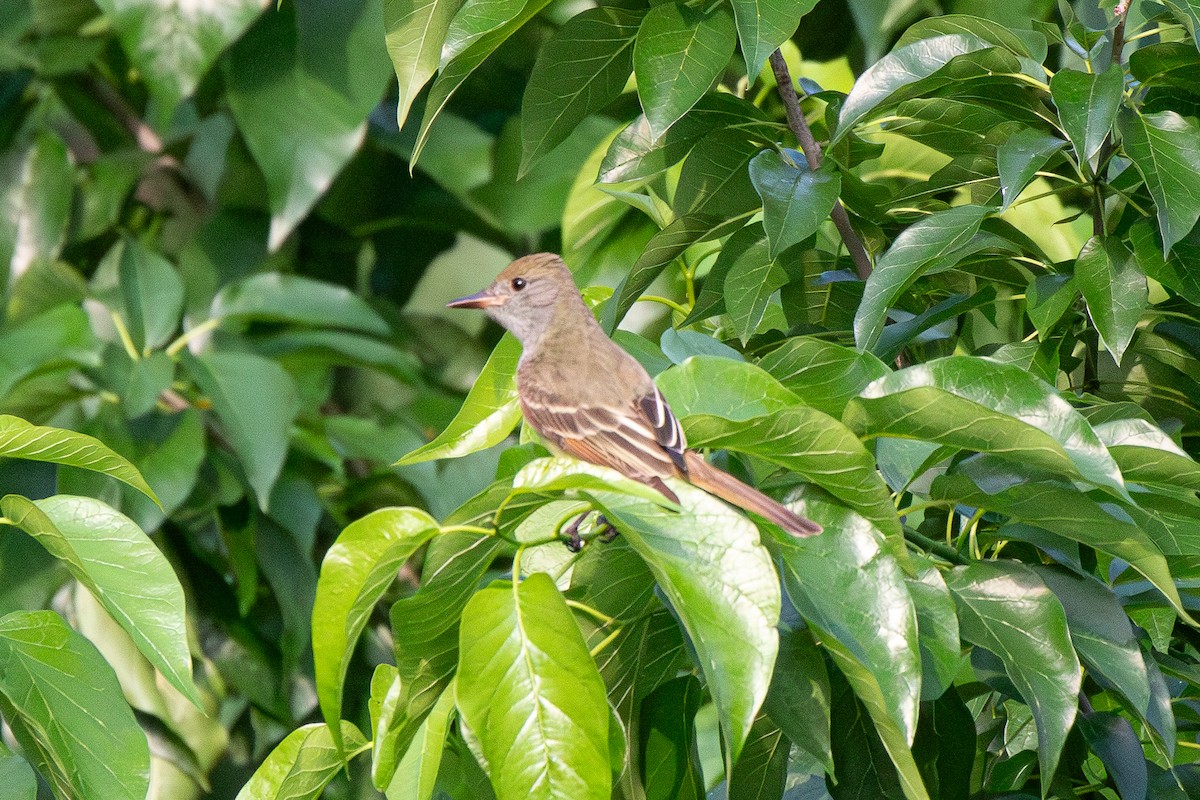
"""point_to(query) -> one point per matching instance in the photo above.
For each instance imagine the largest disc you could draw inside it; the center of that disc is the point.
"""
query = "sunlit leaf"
(487, 416)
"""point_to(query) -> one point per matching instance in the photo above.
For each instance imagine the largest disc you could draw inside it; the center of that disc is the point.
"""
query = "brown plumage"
(592, 400)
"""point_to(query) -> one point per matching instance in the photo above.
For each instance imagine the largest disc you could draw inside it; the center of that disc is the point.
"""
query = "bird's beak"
(484, 299)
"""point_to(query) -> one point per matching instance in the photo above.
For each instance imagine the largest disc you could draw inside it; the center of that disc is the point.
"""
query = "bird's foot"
(605, 532)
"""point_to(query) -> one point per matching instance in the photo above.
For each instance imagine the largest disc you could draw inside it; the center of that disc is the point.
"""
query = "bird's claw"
(574, 542)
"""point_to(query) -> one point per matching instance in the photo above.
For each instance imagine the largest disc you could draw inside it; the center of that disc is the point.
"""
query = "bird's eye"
(518, 284)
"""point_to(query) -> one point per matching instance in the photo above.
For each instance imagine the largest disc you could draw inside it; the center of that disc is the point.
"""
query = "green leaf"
(1005, 608)
(636, 153)
(149, 377)
(60, 336)
(742, 251)
(531, 694)
(290, 72)
(1115, 291)
(1172, 271)
(868, 626)
(18, 777)
(303, 763)
(748, 288)
(667, 731)
(764, 25)
(761, 772)
(1165, 147)
(152, 293)
(981, 404)
(796, 199)
(487, 416)
(1020, 156)
(122, 568)
(425, 627)
(356, 571)
(946, 744)
(1087, 106)
(898, 69)
(812, 444)
(478, 28)
(256, 401)
(1147, 455)
(666, 245)
(414, 31)
(937, 629)
(275, 297)
(823, 374)
(714, 180)
(716, 575)
(799, 698)
(174, 44)
(725, 388)
(1101, 634)
(680, 52)
(579, 71)
(982, 483)
(38, 186)
(929, 244)
(1019, 41)
(1111, 737)
(1047, 298)
(19, 439)
(65, 707)
(417, 773)
(564, 473)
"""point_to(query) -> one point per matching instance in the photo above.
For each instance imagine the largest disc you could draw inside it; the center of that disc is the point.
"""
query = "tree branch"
(812, 152)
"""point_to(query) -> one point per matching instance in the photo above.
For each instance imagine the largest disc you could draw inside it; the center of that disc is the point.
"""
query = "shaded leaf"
(1020, 156)
(823, 374)
(256, 401)
(1087, 106)
(1005, 608)
(275, 297)
(928, 244)
(1164, 147)
(579, 71)
(680, 52)
(1115, 291)
(796, 199)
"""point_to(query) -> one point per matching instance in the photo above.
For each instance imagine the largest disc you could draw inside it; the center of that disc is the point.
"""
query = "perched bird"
(592, 400)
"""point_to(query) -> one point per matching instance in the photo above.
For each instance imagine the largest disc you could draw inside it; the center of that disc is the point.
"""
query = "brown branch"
(812, 152)
(1108, 147)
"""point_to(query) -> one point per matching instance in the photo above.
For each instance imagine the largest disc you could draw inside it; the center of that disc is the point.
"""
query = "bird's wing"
(642, 441)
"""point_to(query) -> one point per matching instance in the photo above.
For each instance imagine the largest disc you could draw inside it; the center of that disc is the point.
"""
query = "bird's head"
(524, 295)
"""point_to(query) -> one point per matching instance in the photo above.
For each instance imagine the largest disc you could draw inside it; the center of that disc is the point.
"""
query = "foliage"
(943, 303)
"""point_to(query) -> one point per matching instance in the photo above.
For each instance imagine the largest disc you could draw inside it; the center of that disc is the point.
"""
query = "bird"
(590, 399)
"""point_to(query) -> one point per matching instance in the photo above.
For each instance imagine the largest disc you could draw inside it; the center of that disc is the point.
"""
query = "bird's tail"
(730, 489)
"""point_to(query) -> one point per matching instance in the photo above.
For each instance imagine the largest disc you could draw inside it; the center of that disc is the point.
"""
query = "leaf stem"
(937, 548)
(204, 327)
(469, 529)
(595, 613)
(605, 642)
(671, 304)
(126, 339)
(812, 152)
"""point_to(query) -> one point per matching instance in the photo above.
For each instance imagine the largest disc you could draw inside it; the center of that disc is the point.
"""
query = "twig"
(812, 152)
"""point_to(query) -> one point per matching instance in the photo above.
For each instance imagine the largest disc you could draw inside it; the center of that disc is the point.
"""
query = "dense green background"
(964, 336)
